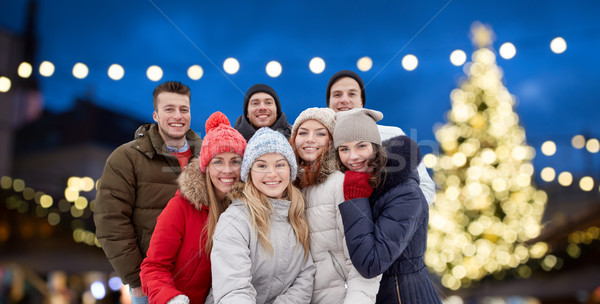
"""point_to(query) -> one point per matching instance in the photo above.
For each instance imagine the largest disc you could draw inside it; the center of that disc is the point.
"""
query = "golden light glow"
(71, 194)
(46, 201)
(25, 70)
(116, 72)
(6, 182)
(18, 185)
(410, 62)
(458, 57)
(317, 65)
(195, 72)
(273, 69)
(548, 174)
(81, 203)
(53, 218)
(548, 148)
(86, 184)
(586, 183)
(154, 73)
(508, 50)
(74, 182)
(578, 141)
(231, 65)
(592, 145)
(565, 179)
(459, 159)
(558, 45)
(429, 160)
(5, 84)
(364, 64)
(80, 70)
(46, 68)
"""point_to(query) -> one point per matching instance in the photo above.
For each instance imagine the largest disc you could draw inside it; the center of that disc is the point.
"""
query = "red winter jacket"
(176, 262)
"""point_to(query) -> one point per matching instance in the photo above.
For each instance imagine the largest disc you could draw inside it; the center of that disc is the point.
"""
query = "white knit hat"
(356, 124)
(267, 141)
(325, 116)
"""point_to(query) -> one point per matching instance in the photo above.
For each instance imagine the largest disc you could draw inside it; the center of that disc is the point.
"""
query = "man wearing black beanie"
(262, 109)
(346, 91)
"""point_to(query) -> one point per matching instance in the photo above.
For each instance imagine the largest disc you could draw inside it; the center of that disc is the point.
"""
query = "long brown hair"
(376, 163)
(215, 208)
(309, 172)
(260, 210)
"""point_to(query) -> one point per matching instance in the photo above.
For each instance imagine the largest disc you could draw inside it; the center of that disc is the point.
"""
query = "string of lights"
(273, 68)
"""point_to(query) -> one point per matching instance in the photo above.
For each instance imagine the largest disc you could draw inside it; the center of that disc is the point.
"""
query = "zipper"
(338, 268)
(397, 288)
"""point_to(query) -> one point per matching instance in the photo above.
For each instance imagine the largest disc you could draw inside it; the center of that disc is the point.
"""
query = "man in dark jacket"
(139, 179)
(262, 109)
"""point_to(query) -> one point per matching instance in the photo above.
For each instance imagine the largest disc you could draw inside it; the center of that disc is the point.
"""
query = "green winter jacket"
(139, 178)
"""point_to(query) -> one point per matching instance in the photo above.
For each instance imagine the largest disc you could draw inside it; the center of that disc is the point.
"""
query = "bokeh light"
(231, 65)
(364, 64)
(5, 84)
(558, 45)
(548, 148)
(565, 179)
(548, 174)
(317, 65)
(508, 50)
(195, 72)
(592, 145)
(80, 70)
(46, 68)
(578, 141)
(586, 183)
(458, 57)
(273, 69)
(116, 72)
(154, 73)
(25, 70)
(410, 62)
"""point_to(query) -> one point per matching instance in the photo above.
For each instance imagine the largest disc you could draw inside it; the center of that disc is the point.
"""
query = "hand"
(356, 185)
(138, 292)
(180, 299)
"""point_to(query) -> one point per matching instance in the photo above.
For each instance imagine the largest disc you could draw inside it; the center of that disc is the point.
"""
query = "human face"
(355, 155)
(224, 171)
(312, 140)
(270, 174)
(262, 111)
(345, 95)
(173, 117)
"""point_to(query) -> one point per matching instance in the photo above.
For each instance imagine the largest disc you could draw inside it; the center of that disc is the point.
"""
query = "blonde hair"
(215, 208)
(260, 210)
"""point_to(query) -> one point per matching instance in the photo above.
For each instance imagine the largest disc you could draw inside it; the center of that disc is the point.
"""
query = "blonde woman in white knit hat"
(385, 215)
(321, 182)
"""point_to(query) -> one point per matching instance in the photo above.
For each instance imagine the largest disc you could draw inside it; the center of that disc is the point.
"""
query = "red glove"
(356, 185)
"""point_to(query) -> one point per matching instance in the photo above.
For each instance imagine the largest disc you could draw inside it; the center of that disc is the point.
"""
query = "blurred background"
(503, 98)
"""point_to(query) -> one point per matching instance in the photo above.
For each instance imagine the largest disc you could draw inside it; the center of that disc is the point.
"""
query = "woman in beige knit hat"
(385, 214)
(321, 182)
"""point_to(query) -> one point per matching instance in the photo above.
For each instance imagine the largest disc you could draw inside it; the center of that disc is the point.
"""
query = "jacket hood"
(404, 155)
(192, 184)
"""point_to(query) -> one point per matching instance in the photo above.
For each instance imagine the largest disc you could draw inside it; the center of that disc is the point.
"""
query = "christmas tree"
(486, 207)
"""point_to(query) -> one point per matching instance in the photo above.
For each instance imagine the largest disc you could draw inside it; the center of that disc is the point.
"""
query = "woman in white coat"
(336, 279)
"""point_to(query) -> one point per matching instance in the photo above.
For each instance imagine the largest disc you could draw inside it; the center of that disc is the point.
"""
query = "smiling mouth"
(227, 180)
(356, 166)
(272, 184)
(344, 108)
(262, 116)
(310, 149)
(176, 125)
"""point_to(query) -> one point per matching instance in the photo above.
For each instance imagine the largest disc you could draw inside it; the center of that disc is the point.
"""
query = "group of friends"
(331, 209)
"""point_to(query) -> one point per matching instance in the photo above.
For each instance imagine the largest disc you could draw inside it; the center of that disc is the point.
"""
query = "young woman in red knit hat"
(177, 268)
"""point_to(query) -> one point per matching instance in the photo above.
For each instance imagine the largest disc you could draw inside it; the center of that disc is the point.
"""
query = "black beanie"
(342, 74)
(257, 88)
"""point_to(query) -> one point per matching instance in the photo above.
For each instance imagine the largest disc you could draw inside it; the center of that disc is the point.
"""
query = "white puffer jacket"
(336, 280)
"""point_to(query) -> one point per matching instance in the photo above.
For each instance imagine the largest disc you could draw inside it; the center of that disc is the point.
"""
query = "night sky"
(558, 94)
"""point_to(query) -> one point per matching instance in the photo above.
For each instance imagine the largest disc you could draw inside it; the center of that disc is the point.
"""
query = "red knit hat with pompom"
(220, 138)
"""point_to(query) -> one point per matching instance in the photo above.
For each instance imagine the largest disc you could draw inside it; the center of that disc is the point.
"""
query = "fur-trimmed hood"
(192, 184)
(404, 155)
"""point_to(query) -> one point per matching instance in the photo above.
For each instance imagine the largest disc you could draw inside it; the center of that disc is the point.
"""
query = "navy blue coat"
(387, 233)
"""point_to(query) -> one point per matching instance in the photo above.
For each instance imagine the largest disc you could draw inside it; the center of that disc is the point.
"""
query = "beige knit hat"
(356, 124)
(325, 116)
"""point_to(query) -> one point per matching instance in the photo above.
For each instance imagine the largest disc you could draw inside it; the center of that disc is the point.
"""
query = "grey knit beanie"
(325, 116)
(267, 141)
(356, 124)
